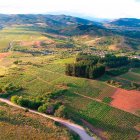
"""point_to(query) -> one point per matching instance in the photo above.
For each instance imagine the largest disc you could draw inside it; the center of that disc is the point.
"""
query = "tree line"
(85, 66)
(90, 66)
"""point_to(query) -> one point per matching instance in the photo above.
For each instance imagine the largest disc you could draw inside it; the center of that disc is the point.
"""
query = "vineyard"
(14, 124)
(131, 76)
(39, 75)
(115, 124)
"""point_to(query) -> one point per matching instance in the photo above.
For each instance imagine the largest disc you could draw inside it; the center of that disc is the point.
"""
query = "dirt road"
(74, 127)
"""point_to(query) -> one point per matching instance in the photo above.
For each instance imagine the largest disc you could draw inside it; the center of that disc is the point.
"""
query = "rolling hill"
(126, 22)
(62, 25)
(34, 52)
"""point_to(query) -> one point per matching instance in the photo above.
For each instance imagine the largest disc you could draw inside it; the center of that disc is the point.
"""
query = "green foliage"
(90, 59)
(117, 124)
(0, 90)
(113, 61)
(9, 89)
(114, 83)
(14, 99)
(96, 71)
(131, 77)
(85, 66)
(118, 71)
(33, 104)
(55, 95)
(135, 63)
(16, 120)
(61, 111)
(107, 100)
(17, 62)
(43, 108)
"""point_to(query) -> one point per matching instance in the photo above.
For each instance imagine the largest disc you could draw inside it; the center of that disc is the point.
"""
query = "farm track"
(74, 127)
(98, 100)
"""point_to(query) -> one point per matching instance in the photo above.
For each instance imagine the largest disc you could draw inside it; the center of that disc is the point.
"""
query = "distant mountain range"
(127, 29)
(51, 20)
(126, 22)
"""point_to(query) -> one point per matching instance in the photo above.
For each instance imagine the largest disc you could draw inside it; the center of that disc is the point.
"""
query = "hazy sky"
(91, 8)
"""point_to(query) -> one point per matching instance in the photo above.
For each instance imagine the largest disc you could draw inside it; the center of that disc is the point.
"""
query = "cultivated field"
(16, 124)
(40, 75)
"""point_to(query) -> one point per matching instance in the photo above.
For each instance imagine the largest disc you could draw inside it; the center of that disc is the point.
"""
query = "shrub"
(33, 104)
(0, 90)
(14, 99)
(114, 83)
(22, 102)
(57, 94)
(17, 62)
(118, 71)
(11, 88)
(43, 108)
(61, 111)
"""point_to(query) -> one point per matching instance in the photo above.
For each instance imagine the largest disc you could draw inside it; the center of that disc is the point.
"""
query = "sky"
(109, 9)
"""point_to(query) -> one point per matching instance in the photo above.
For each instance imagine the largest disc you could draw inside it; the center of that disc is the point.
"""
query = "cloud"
(92, 8)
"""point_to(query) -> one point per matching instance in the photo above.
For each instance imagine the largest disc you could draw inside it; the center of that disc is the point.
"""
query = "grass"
(116, 124)
(18, 34)
(14, 124)
(131, 76)
(107, 100)
(40, 81)
(46, 74)
(137, 70)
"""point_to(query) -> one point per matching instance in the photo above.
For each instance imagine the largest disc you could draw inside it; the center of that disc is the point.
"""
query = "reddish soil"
(126, 100)
(3, 55)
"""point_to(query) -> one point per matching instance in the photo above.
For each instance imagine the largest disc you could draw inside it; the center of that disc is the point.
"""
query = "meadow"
(16, 124)
(39, 79)
(134, 77)
(41, 75)
(113, 123)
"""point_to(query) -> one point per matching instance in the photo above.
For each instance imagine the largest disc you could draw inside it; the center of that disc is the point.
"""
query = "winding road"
(74, 127)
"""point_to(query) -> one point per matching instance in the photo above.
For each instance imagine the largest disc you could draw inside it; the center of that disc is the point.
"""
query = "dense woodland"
(92, 67)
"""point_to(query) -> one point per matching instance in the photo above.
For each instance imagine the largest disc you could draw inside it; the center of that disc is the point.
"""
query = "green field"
(41, 79)
(16, 124)
(117, 125)
(134, 77)
(41, 75)
(137, 70)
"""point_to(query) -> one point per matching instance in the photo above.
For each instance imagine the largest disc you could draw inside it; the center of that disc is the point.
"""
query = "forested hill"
(51, 20)
(126, 22)
(97, 34)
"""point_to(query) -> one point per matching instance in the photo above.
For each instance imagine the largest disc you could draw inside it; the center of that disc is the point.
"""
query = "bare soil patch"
(126, 100)
(3, 55)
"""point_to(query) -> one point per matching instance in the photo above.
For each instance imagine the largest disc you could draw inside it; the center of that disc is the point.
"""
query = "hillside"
(71, 27)
(126, 22)
(50, 20)
(129, 27)
(17, 124)
(69, 68)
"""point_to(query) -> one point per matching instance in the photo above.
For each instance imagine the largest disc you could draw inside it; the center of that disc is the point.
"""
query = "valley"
(33, 61)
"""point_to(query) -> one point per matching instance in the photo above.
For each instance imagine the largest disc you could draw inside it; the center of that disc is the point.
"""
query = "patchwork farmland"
(113, 111)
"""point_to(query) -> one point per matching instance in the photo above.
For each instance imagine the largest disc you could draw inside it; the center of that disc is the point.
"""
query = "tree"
(43, 108)
(61, 111)
(14, 99)
(22, 102)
